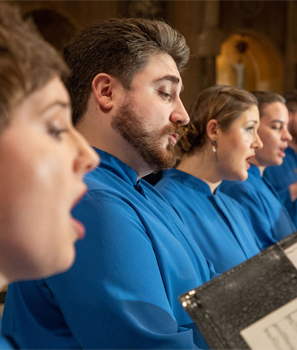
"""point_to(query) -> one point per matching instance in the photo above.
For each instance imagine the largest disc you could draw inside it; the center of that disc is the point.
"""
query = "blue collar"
(254, 170)
(115, 165)
(290, 150)
(189, 180)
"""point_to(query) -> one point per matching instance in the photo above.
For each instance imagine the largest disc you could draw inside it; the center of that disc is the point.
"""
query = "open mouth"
(249, 158)
(80, 197)
(77, 225)
(79, 228)
(282, 152)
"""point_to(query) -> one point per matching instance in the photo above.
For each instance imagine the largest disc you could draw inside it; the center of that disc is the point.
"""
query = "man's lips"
(174, 137)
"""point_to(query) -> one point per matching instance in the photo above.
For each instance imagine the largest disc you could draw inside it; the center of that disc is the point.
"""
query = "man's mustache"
(173, 129)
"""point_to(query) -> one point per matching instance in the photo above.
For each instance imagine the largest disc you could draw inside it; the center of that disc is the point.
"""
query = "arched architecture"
(249, 60)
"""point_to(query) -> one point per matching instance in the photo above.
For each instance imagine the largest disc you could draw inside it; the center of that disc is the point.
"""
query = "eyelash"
(250, 129)
(56, 132)
(165, 95)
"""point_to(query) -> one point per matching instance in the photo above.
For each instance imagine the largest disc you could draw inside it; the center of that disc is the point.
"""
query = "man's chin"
(166, 162)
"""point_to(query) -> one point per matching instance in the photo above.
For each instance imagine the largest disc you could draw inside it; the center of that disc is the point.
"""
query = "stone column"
(208, 43)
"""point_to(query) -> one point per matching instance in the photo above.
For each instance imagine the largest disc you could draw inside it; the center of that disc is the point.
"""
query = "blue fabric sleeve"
(4, 344)
(285, 196)
(114, 295)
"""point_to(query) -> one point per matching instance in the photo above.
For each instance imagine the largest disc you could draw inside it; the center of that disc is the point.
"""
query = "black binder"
(264, 285)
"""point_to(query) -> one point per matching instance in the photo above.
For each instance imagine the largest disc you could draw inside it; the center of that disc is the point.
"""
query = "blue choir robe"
(263, 206)
(282, 177)
(216, 222)
(122, 291)
(4, 344)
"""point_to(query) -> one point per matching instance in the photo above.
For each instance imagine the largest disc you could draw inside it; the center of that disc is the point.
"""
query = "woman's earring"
(214, 146)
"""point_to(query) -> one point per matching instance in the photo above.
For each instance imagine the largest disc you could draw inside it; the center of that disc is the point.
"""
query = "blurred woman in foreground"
(42, 157)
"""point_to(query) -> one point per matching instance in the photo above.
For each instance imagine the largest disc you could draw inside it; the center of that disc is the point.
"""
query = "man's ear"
(212, 128)
(102, 86)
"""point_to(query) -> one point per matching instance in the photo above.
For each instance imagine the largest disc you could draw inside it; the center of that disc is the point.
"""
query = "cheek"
(271, 142)
(270, 138)
(35, 190)
(24, 166)
(265, 140)
(238, 152)
(239, 155)
(36, 176)
(238, 147)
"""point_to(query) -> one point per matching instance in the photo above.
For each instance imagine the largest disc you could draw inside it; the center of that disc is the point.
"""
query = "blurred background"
(248, 44)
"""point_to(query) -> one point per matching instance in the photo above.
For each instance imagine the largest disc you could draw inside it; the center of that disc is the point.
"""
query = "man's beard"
(148, 144)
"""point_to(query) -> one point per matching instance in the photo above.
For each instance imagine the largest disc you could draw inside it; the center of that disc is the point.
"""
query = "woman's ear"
(102, 86)
(212, 128)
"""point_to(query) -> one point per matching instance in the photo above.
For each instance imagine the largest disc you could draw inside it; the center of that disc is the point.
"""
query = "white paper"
(291, 253)
(276, 331)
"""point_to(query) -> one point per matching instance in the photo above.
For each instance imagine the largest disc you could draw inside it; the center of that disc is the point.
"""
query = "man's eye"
(165, 94)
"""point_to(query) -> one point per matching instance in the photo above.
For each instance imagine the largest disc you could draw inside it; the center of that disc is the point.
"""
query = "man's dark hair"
(118, 47)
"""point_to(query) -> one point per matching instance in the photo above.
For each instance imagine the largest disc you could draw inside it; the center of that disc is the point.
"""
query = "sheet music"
(277, 330)
(291, 253)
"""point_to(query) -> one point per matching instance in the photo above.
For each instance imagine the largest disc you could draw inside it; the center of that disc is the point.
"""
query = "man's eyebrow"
(174, 79)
